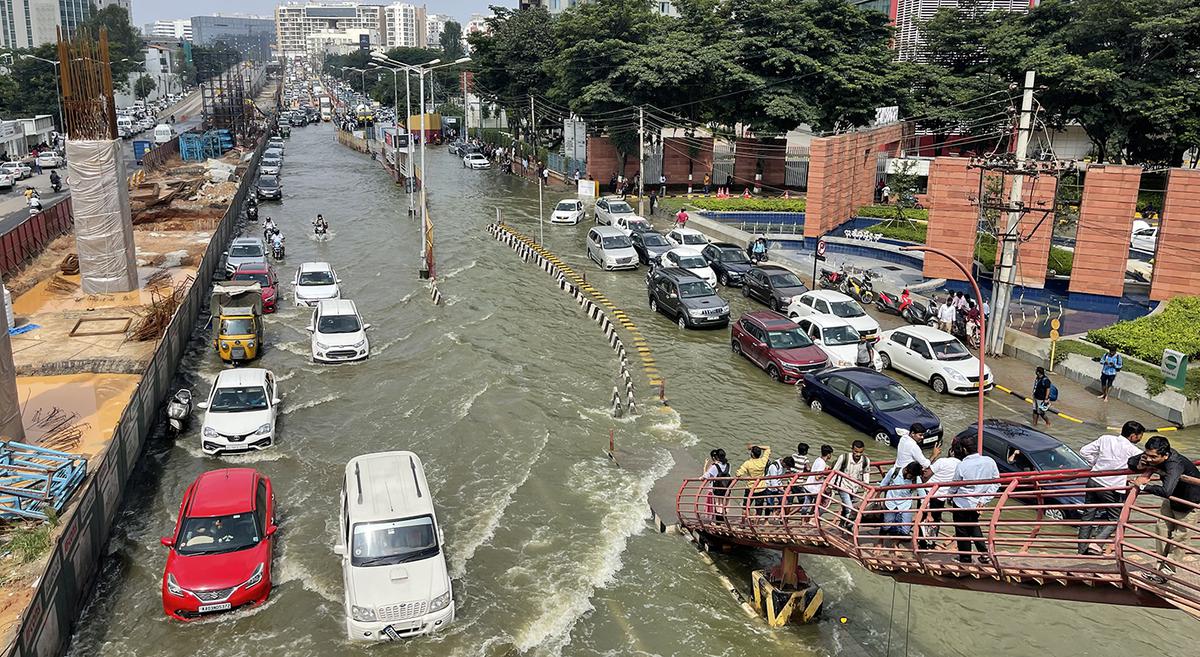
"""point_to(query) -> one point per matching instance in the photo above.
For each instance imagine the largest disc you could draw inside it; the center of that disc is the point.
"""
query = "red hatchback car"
(776, 344)
(264, 275)
(220, 556)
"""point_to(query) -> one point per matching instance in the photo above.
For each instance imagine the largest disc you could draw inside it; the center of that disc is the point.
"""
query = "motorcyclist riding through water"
(55, 181)
(277, 243)
(320, 226)
(268, 228)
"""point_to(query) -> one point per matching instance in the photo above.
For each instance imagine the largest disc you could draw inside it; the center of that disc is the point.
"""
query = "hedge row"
(1146, 337)
(1060, 261)
(739, 204)
(1152, 375)
(889, 212)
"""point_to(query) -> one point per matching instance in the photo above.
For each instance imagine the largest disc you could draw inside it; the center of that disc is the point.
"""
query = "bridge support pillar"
(784, 594)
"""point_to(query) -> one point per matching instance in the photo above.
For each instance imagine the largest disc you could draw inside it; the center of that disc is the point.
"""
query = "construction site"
(92, 368)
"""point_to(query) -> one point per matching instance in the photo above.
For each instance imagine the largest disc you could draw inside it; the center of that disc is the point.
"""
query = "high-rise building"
(253, 36)
(404, 26)
(332, 22)
(31, 23)
(908, 15)
(664, 7)
(477, 24)
(179, 29)
(435, 24)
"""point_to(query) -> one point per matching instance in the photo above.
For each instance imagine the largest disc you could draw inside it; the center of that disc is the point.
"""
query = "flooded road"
(504, 392)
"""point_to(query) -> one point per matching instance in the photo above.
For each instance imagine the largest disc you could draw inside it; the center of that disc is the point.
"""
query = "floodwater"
(504, 394)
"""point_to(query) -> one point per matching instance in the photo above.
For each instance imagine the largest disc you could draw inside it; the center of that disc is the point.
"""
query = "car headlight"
(695, 313)
(362, 613)
(210, 432)
(263, 430)
(249, 344)
(360, 344)
(224, 345)
(173, 587)
(790, 367)
(441, 602)
(725, 310)
(956, 375)
(322, 346)
(255, 578)
(785, 299)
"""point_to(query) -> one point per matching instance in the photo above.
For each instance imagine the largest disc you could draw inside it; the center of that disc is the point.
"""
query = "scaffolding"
(87, 86)
(225, 94)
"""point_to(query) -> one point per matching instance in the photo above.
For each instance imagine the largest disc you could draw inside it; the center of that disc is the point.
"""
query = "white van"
(611, 248)
(163, 133)
(125, 126)
(393, 564)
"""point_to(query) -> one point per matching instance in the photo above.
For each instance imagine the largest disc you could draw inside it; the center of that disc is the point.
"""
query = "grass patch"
(889, 212)
(1152, 375)
(749, 204)
(1146, 337)
(29, 542)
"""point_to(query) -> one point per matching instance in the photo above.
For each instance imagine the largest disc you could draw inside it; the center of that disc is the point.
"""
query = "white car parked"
(390, 543)
(338, 333)
(834, 304)
(935, 357)
(476, 161)
(568, 211)
(49, 160)
(689, 259)
(240, 412)
(18, 170)
(315, 282)
(609, 208)
(1144, 237)
(687, 237)
(836, 338)
(630, 224)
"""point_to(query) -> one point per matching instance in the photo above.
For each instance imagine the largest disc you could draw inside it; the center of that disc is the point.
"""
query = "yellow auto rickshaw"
(237, 320)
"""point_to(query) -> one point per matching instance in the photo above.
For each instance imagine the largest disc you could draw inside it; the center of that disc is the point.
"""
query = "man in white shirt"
(970, 497)
(908, 449)
(856, 465)
(942, 471)
(946, 314)
(1105, 454)
(814, 484)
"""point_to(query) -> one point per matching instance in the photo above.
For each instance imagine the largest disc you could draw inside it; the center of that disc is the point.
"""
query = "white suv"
(609, 208)
(315, 282)
(837, 305)
(240, 412)
(390, 542)
(338, 334)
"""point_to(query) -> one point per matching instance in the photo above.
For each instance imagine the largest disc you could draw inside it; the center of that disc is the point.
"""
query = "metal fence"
(795, 167)
(158, 156)
(26, 241)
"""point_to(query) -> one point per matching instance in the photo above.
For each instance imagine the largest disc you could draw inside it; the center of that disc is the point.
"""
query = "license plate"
(391, 633)
(220, 606)
(239, 354)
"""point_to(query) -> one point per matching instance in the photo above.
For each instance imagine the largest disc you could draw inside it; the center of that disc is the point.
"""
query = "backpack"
(1053, 393)
(719, 486)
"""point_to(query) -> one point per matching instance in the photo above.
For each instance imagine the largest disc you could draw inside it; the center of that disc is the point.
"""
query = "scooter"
(179, 411)
(914, 313)
(252, 212)
(832, 280)
(56, 183)
(859, 288)
(966, 330)
(277, 250)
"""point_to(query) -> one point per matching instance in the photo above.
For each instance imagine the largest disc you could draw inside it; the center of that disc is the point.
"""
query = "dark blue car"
(728, 261)
(1020, 448)
(871, 402)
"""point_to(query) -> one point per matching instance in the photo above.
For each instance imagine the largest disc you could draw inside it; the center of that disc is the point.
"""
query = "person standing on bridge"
(1181, 500)
(754, 468)
(716, 470)
(908, 449)
(978, 474)
(1105, 454)
(856, 465)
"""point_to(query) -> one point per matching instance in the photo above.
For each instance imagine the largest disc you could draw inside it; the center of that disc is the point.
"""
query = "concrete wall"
(953, 218)
(749, 154)
(1036, 230)
(1176, 271)
(1105, 223)
(678, 157)
(841, 175)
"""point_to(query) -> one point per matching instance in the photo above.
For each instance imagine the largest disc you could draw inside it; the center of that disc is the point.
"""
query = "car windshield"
(1058, 458)
(268, 182)
(617, 242)
(239, 326)
(239, 399)
(892, 397)
(846, 309)
(654, 239)
(695, 289)
(393, 541)
(245, 251)
(838, 335)
(692, 238)
(270, 162)
(317, 278)
(950, 350)
(217, 534)
(785, 279)
(619, 207)
(566, 206)
(692, 262)
(261, 279)
(337, 324)
(733, 256)
(637, 226)
(789, 339)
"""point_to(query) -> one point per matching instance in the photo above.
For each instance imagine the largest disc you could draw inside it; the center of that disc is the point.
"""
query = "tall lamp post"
(57, 88)
(979, 304)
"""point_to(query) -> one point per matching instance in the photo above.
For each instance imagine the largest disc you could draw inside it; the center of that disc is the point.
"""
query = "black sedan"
(871, 402)
(728, 261)
(649, 245)
(772, 285)
(1020, 448)
(269, 187)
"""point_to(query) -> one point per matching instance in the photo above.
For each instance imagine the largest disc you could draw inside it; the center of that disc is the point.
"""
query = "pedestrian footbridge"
(1030, 534)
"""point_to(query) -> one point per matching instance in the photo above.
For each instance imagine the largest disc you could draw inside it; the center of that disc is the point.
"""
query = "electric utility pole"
(1005, 274)
(533, 138)
(641, 161)
(466, 112)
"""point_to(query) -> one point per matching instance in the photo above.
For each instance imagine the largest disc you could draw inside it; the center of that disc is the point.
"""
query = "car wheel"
(868, 297)
(736, 347)
(1054, 514)
(883, 437)
(815, 405)
(885, 360)
(724, 280)
(683, 322)
(746, 291)
(938, 384)
(653, 305)
(773, 372)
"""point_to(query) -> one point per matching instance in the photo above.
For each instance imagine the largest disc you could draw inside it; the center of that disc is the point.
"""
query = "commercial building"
(160, 61)
(664, 7)
(477, 24)
(31, 23)
(908, 16)
(252, 35)
(179, 29)
(404, 26)
(329, 23)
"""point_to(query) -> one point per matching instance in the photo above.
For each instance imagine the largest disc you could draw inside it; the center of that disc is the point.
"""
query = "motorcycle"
(179, 411)
(914, 313)
(832, 280)
(756, 257)
(966, 330)
(56, 183)
(320, 231)
(859, 288)
(277, 250)
(252, 212)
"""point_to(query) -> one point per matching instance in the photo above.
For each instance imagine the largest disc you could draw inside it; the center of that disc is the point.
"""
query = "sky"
(148, 11)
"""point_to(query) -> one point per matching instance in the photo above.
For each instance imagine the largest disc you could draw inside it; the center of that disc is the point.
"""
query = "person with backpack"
(1110, 364)
(717, 471)
(753, 468)
(856, 465)
(1044, 392)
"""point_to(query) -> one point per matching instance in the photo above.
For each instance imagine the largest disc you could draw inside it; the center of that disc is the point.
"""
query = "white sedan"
(18, 170)
(692, 260)
(834, 304)
(935, 357)
(7, 180)
(49, 160)
(687, 237)
(568, 211)
(240, 412)
(476, 161)
(1144, 237)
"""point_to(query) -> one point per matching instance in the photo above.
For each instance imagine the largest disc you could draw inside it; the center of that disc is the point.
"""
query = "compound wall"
(1177, 260)
(603, 161)
(841, 175)
(1037, 228)
(1105, 222)
(953, 216)
(749, 154)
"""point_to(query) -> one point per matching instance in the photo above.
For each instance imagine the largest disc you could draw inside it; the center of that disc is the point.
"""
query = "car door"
(805, 307)
(861, 409)
(601, 211)
(712, 256)
(757, 285)
(896, 348)
(920, 362)
(757, 347)
(636, 240)
(591, 241)
(837, 400)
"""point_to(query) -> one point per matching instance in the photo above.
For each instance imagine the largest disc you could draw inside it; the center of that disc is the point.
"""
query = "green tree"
(30, 87)
(511, 59)
(143, 86)
(451, 41)
(125, 45)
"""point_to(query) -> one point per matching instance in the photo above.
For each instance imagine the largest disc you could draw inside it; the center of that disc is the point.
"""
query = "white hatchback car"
(18, 170)
(609, 208)
(630, 224)
(935, 357)
(689, 259)
(1144, 237)
(338, 333)
(834, 304)
(687, 237)
(836, 338)
(315, 282)
(476, 161)
(240, 412)
(49, 160)
(568, 211)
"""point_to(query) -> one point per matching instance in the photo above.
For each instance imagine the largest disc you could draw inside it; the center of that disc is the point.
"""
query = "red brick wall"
(1105, 222)
(953, 218)
(603, 161)
(677, 156)
(841, 175)
(1176, 271)
(748, 152)
(1034, 251)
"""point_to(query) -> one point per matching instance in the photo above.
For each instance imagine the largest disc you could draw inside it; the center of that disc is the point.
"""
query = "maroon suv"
(776, 344)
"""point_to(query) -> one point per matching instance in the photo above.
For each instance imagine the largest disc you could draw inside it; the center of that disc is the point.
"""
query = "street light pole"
(57, 89)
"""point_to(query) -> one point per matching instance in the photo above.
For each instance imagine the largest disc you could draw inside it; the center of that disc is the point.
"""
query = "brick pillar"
(1175, 263)
(953, 218)
(1036, 230)
(821, 177)
(1105, 222)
